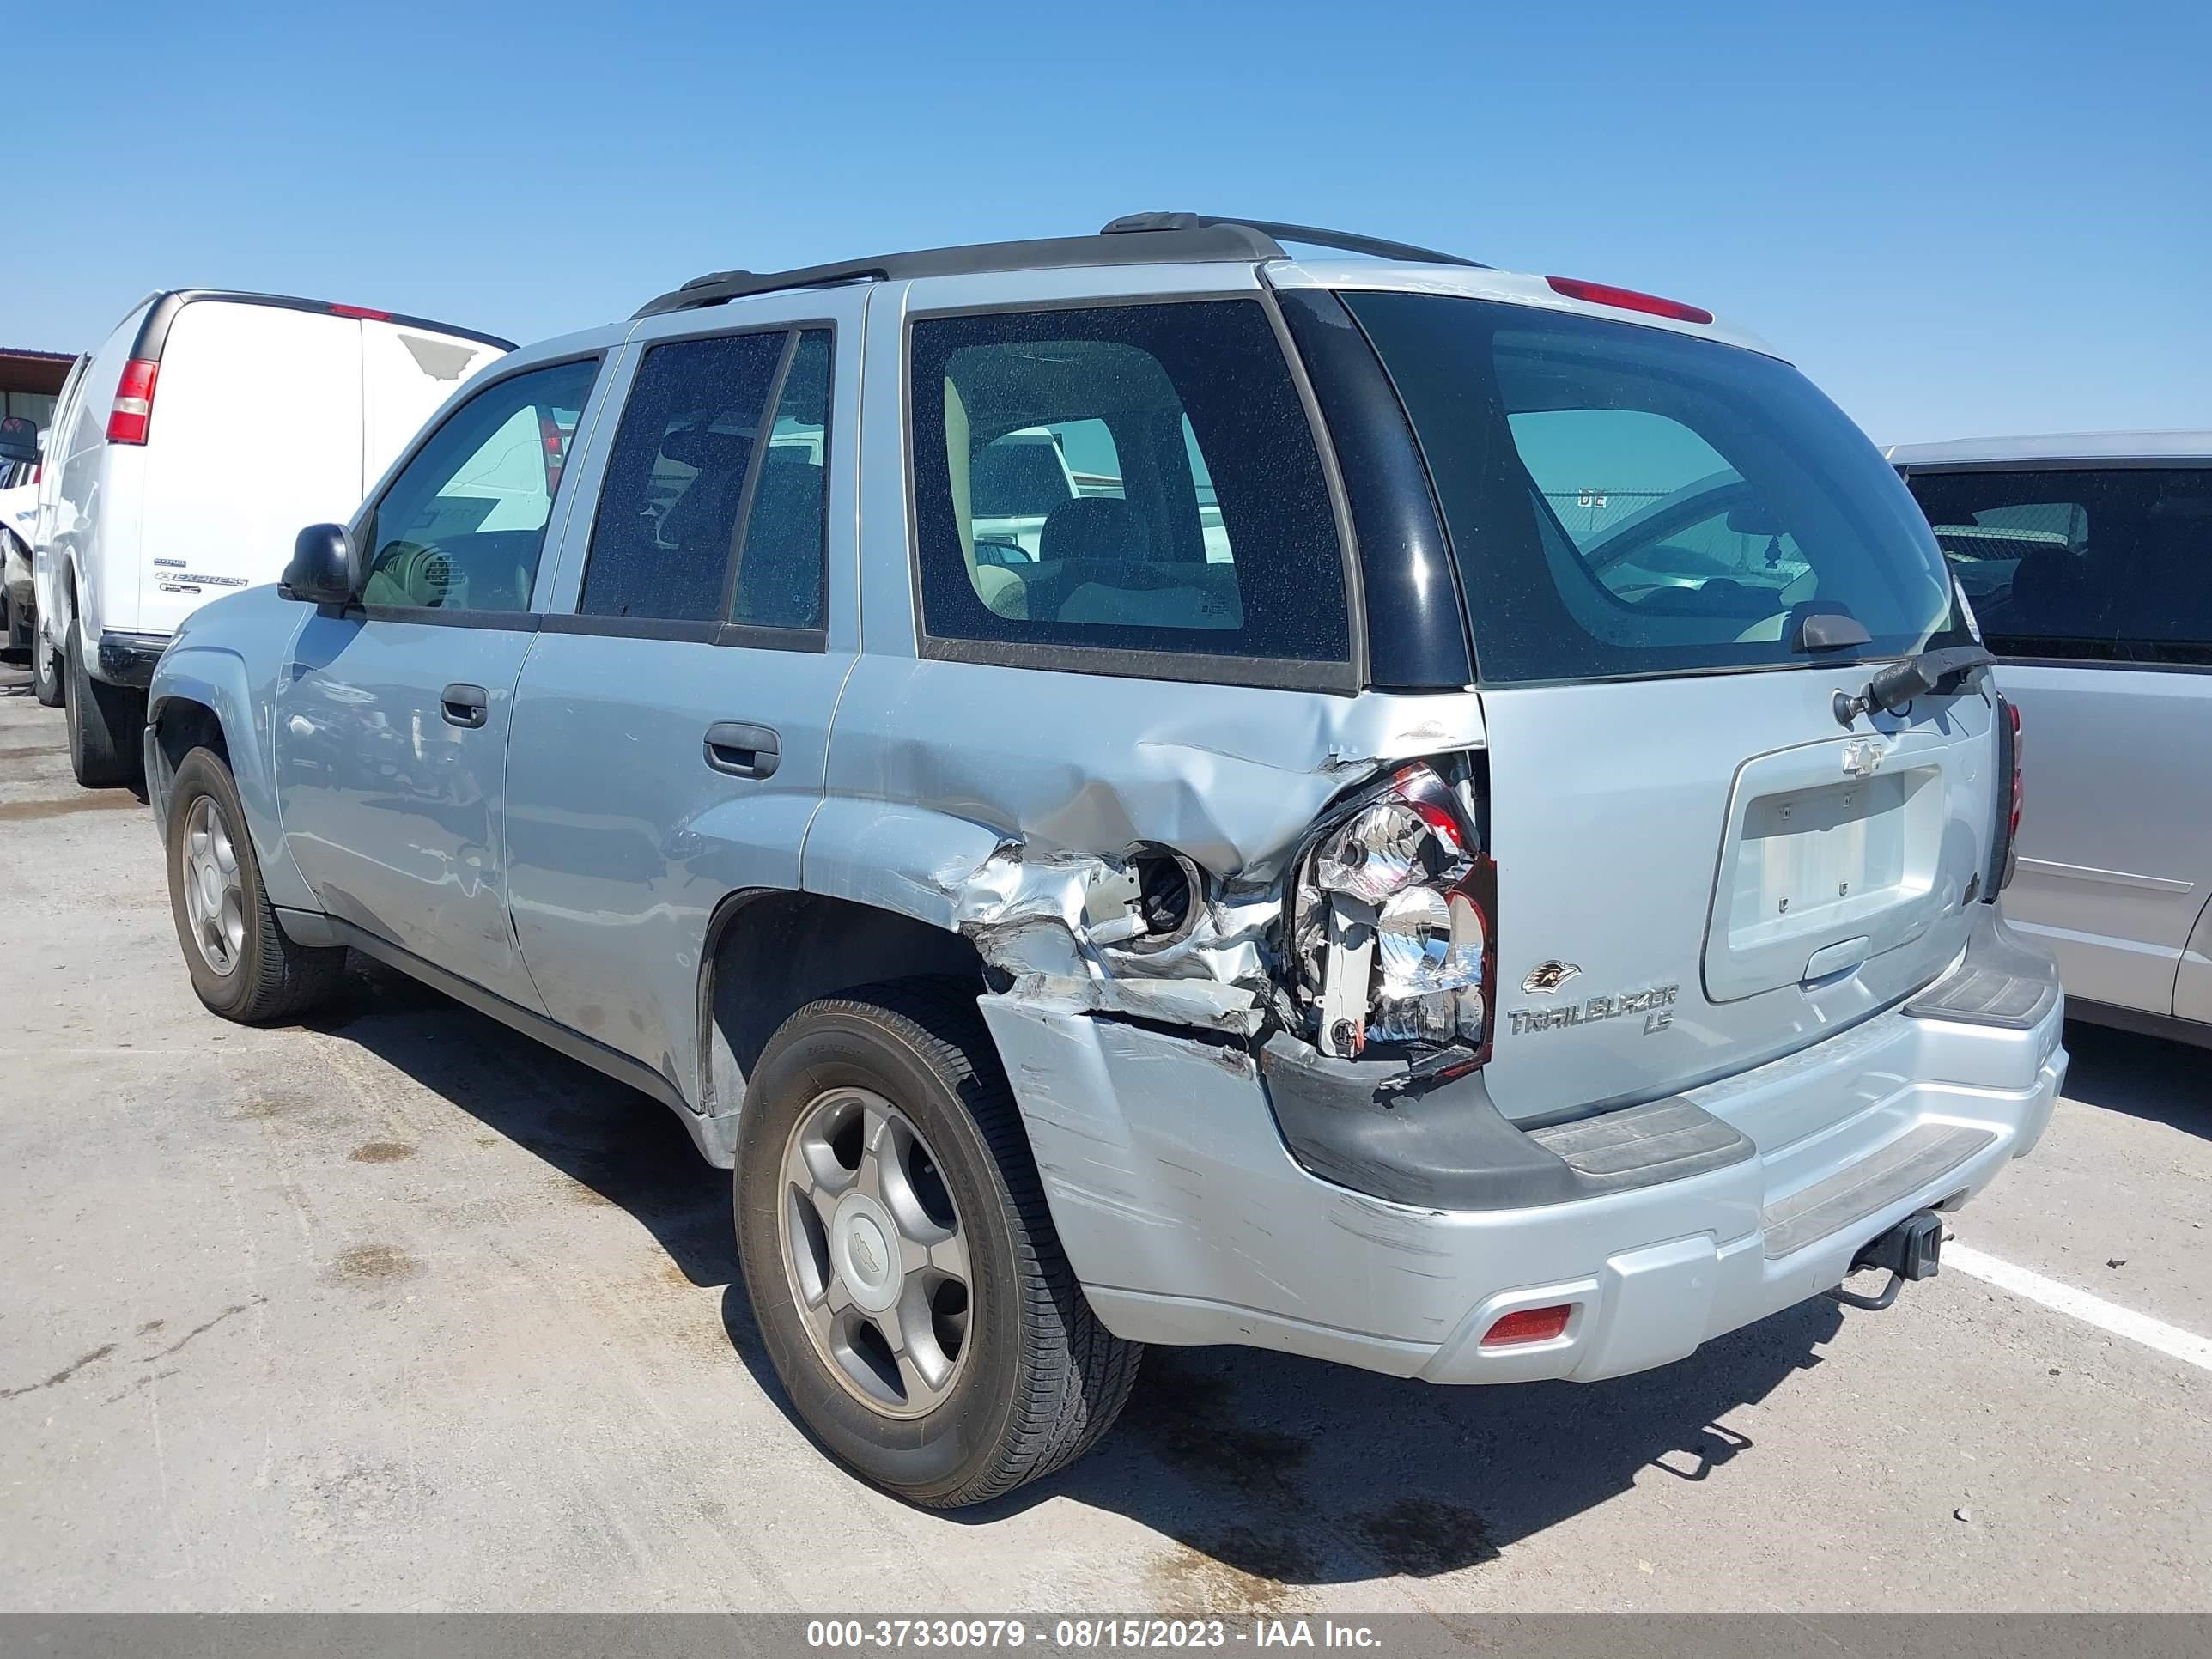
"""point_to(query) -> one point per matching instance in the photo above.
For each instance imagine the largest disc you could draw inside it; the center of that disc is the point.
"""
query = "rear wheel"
(104, 724)
(243, 965)
(901, 1263)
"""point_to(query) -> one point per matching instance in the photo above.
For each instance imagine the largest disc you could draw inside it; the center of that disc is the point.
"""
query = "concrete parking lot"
(397, 1311)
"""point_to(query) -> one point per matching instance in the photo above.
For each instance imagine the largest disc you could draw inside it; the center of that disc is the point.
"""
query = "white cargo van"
(205, 430)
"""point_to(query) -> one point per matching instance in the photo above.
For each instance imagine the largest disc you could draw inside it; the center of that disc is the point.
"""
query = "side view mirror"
(19, 439)
(325, 570)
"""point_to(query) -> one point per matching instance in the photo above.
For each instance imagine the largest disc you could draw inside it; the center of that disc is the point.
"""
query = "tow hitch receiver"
(1911, 1249)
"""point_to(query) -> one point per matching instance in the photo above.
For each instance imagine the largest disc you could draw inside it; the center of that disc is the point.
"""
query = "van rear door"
(1700, 867)
(255, 432)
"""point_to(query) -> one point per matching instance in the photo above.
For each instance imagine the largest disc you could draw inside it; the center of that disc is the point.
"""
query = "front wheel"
(901, 1261)
(243, 964)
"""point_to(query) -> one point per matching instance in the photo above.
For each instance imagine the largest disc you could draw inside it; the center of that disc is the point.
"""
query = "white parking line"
(2169, 1339)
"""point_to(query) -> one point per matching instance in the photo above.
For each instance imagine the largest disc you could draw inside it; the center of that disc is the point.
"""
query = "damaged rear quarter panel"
(993, 800)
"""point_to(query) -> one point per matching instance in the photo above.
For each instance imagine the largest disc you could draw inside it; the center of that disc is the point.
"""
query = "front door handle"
(742, 751)
(465, 705)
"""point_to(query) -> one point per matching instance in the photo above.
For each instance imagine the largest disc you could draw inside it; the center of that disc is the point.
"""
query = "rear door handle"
(742, 751)
(465, 705)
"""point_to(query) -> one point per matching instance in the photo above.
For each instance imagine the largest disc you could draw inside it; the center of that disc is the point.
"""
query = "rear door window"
(666, 527)
(463, 525)
(2091, 564)
(782, 563)
(1139, 478)
(1626, 500)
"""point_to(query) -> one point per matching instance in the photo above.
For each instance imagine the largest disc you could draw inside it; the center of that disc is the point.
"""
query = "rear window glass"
(1139, 477)
(1625, 501)
(2107, 564)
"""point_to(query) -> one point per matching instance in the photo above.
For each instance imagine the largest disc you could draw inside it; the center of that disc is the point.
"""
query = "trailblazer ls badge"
(1655, 1004)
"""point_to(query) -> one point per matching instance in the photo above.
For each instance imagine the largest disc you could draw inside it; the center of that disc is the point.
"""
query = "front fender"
(218, 679)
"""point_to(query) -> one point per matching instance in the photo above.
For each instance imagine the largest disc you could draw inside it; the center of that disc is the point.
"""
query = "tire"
(1036, 1379)
(267, 976)
(45, 671)
(104, 724)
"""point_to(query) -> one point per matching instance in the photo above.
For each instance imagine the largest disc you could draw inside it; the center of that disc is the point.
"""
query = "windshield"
(1626, 500)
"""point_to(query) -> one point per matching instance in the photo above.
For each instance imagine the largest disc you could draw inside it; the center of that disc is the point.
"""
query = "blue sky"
(1958, 218)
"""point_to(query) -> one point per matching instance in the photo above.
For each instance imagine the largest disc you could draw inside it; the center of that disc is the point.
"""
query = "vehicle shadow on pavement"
(2144, 1077)
(1263, 1472)
(1268, 1471)
(624, 1147)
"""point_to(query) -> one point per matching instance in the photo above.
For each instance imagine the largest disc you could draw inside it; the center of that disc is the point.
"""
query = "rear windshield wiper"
(1894, 687)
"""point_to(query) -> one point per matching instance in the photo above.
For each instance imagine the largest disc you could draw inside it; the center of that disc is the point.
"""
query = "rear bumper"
(129, 659)
(1188, 1219)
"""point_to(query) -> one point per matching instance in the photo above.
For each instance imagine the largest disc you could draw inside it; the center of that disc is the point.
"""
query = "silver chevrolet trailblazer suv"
(1453, 828)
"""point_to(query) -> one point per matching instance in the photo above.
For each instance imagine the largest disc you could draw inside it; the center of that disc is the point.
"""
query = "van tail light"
(361, 312)
(1392, 931)
(556, 443)
(2012, 795)
(133, 412)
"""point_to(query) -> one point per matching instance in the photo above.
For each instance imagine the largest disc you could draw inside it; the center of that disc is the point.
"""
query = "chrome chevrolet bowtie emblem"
(1862, 758)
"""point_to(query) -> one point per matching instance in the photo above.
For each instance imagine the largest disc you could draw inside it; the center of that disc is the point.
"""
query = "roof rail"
(1135, 239)
(1313, 235)
(1218, 240)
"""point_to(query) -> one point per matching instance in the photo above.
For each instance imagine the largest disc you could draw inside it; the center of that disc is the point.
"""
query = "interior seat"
(2048, 595)
(1102, 528)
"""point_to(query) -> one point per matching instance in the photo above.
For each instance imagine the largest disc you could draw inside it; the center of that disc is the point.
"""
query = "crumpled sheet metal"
(1007, 831)
(1027, 916)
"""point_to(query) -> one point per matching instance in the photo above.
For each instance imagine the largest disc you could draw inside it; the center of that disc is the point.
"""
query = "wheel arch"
(202, 697)
(768, 952)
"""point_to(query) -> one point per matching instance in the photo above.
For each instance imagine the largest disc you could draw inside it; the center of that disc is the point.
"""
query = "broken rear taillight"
(1393, 927)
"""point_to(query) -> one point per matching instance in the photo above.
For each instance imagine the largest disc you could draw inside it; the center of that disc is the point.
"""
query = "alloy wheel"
(875, 1252)
(214, 892)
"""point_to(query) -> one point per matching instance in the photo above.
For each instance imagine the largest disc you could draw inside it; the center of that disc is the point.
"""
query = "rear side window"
(1081, 477)
(463, 525)
(668, 512)
(781, 564)
(2095, 564)
(1626, 500)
